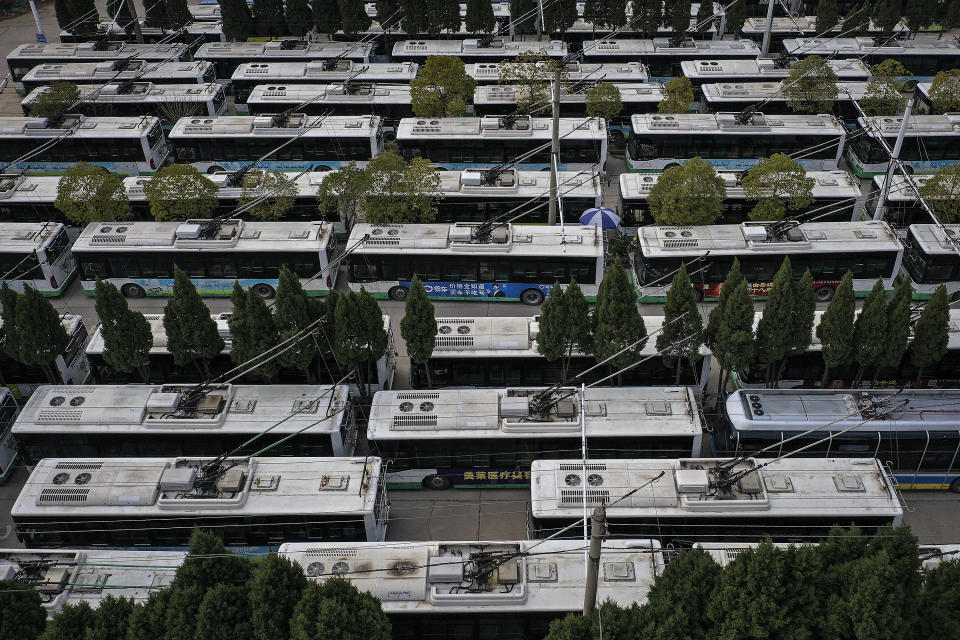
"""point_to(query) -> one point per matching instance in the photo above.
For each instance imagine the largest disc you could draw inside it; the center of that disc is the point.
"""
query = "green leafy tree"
(268, 17)
(523, 16)
(442, 88)
(192, 335)
(729, 330)
(705, 18)
(775, 328)
(617, 323)
(419, 326)
(180, 192)
(931, 333)
(326, 16)
(938, 602)
(619, 623)
(950, 18)
(415, 18)
(89, 193)
(40, 334)
(209, 563)
(70, 623)
(277, 586)
(678, 16)
(22, 615)
(564, 325)
(918, 14)
(886, 14)
(690, 194)
(148, 617)
(682, 331)
(345, 613)
(224, 613)
(8, 313)
(805, 307)
(898, 323)
(127, 338)
(777, 184)
(532, 75)
(359, 337)
(480, 18)
(178, 14)
(870, 330)
(647, 16)
(609, 14)
(449, 14)
(155, 14)
(828, 15)
(354, 15)
(677, 601)
(811, 86)
(401, 192)
(942, 193)
(883, 96)
(604, 101)
(677, 96)
(559, 16)
(736, 17)
(252, 331)
(237, 20)
(293, 314)
(77, 17)
(55, 100)
(388, 13)
(182, 611)
(270, 193)
(835, 330)
(112, 619)
(858, 22)
(299, 18)
(343, 193)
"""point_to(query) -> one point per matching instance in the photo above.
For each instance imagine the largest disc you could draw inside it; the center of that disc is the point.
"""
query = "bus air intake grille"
(79, 466)
(455, 341)
(595, 497)
(418, 396)
(69, 494)
(579, 467)
(48, 416)
(332, 552)
(414, 422)
(680, 243)
(383, 241)
(117, 238)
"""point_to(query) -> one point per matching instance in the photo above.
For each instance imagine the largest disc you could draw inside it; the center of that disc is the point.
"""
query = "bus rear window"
(154, 136)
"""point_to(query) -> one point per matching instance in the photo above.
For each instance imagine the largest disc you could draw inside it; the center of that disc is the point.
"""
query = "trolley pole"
(597, 521)
(554, 147)
(765, 47)
(894, 156)
(41, 36)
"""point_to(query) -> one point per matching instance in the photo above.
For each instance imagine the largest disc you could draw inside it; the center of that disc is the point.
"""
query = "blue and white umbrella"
(600, 217)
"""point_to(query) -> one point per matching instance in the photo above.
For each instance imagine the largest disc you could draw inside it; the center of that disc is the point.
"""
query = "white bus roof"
(365, 93)
(161, 488)
(342, 69)
(107, 71)
(72, 576)
(498, 48)
(947, 124)
(667, 47)
(754, 237)
(510, 239)
(788, 488)
(138, 408)
(90, 50)
(726, 124)
(278, 49)
(492, 127)
(547, 579)
(608, 71)
(798, 24)
(933, 241)
(739, 91)
(866, 45)
(101, 127)
(506, 94)
(138, 92)
(232, 235)
(827, 184)
(316, 126)
(25, 237)
(900, 190)
(505, 414)
(707, 69)
(798, 410)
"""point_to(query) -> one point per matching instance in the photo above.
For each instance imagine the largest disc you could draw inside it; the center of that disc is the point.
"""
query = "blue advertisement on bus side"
(479, 289)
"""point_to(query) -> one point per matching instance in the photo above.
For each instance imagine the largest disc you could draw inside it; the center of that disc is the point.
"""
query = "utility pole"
(597, 522)
(555, 146)
(137, 34)
(765, 47)
(41, 36)
(894, 156)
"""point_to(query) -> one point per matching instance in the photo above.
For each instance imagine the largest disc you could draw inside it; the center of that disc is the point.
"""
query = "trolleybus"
(714, 70)
(931, 259)
(502, 99)
(929, 143)
(226, 56)
(389, 101)
(251, 74)
(8, 449)
(69, 367)
(36, 255)
(573, 72)
(901, 207)
(742, 96)
(475, 50)
(924, 58)
(99, 73)
(663, 55)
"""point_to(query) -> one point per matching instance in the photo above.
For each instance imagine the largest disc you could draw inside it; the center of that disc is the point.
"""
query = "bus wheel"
(955, 486)
(824, 294)
(672, 165)
(265, 291)
(532, 297)
(214, 169)
(399, 293)
(437, 483)
(955, 296)
(133, 291)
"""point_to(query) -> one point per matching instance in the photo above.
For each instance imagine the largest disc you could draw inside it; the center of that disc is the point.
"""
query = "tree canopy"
(192, 335)
(359, 336)
(299, 17)
(127, 338)
(942, 193)
(40, 333)
(55, 100)
(690, 194)
(828, 15)
(605, 13)
(237, 20)
(89, 193)
(22, 615)
(532, 75)
(480, 18)
(811, 86)
(931, 333)
(559, 16)
(400, 192)
(419, 325)
(252, 332)
(604, 101)
(883, 96)
(835, 330)
(442, 88)
(682, 332)
(269, 194)
(617, 323)
(677, 95)
(180, 192)
(945, 91)
(564, 325)
(777, 184)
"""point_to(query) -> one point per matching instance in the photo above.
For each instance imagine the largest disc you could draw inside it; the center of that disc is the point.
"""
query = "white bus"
(663, 56)
(36, 255)
(712, 70)
(457, 144)
(138, 257)
(924, 58)
(98, 73)
(8, 449)
(727, 141)
(388, 101)
(251, 74)
(157, 502)
(228, 143)
(931, 259)
(870, 250)
(627, 72)
(726, 97)
(501, 99)
(513, 262)
(70, 367)
(713, 499)
(227, 55)
(901, 207)
(130, 421)
(475, 50)
(483, 438)
(929, 143)
(168, 102)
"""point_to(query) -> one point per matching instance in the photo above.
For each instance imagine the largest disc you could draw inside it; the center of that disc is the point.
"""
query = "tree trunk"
(144, 372)
(48, 372)
(916, 383)
(676, 374)
(876, 374)
(859, 376)
(426, 368)
(823, 379)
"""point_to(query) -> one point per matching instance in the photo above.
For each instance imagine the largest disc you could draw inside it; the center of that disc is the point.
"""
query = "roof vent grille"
(67, 494)
(595, 497)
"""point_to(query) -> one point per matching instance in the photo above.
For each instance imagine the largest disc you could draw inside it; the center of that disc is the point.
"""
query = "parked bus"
(931, 258)
(251, 74)
(870, 250)
(489, 99)
(454, 262)
(457, 144)
(36, 255)
(736, 97)
(717, 70)
(228, 143)
(388, 101)
(929, 143)
(836, 197)
(663, 55)
(100, 73)
(901, 207)
(923, 58)
(8, 448)
(169, 103)
(800, 26)
(488, 437)
(729, 141)
(573, 72)
(226, 56)
(69, 367)
(475, 50)
(157, 502)
(912, 432)
(138, 257)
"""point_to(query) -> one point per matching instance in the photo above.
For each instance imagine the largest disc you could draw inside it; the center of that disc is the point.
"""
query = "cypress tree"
(178, 14)
(236, 19)
(354, 16)
(299, 18)
(252, 332)
(480, 18)
(40, 334)
(828, 15)
(155, 14)
(931, 333)
(224, 613)
(359, 337)
(617, 322)
(388, 13)
(267, 17)
(886, 14)
(705, 17)
(22, 615)
(739, 343)
(559, 15)
(870, 330)
(449, 14)
(146, 618)
(775, 329)
(711, 334)
(736, 16)
(8, 313)
(564, 325)
(414, 17)
(679, 16)
(292, 315)
(84, 19)
(647, 16)
(835, 330)
(119, 12)
(192, 335)
(275, 589)
(112, 619)
(209, 563)
(898, 324)
(803, 316)
(723, 324)
(524, 18)
(70, 623)
(678, 599)
(682, 331)
(127, 338)
(419, 326)
(326, 16)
